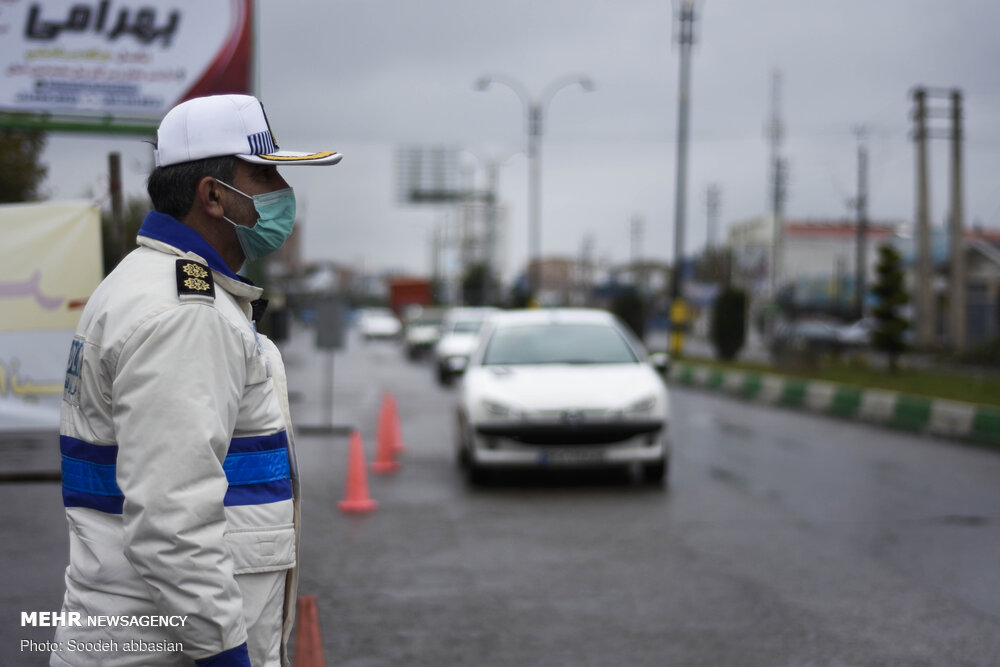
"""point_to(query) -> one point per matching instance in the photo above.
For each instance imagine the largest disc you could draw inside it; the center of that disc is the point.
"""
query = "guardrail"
(917, 414)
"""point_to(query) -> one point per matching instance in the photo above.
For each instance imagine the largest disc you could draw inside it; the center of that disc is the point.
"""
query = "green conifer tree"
(890, 290)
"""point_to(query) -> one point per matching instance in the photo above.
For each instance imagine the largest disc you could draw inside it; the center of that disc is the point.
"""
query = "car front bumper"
(558, 446)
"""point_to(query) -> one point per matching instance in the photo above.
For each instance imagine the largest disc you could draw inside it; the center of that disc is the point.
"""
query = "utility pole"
(925, 298)
(956, 225)
(775, 133)
(926, 315)
(713, 197)
(635, 249)
(436, 254)
(587, 265)
(489, 249)
(861, 258)
(713, 252)
(678, 309)
(466, 236)
(635, 237)
(839, 269)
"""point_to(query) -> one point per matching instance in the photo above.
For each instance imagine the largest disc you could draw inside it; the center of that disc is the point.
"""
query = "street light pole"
(678, 308)
(535, 108)
(533, 270)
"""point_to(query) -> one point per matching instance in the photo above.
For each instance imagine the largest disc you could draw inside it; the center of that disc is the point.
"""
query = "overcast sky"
(366, 76)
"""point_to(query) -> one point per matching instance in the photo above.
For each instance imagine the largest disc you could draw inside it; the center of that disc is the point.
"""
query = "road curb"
(906, 412)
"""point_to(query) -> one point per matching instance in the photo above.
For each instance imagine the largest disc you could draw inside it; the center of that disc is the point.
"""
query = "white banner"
(124, 58)
(50, 262)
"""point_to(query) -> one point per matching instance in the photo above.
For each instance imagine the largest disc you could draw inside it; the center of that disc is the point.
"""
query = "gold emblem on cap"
(296, 158)
(196, 283)
(195, 271)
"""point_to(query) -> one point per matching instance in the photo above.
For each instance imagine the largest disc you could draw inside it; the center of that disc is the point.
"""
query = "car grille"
(570, 434)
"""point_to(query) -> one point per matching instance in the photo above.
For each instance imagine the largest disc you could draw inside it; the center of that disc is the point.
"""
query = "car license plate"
(570, 456)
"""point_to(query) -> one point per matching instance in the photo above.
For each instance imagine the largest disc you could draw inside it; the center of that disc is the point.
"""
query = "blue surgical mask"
(277, 216)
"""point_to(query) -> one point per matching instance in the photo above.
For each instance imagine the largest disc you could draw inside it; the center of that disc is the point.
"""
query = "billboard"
(50, 262)
(126, 59)
(428, 175)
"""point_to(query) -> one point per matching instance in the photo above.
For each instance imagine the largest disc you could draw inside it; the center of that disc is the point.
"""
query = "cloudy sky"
(366, 76)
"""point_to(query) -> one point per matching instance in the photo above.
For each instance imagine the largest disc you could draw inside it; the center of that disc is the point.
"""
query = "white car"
(562, 388)
(422, 329)
(856, 334)
(459, 338)
(378, 323)
(861, 334)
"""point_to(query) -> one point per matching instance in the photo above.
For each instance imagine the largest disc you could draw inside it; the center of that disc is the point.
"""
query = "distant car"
(562, 388)
(422, 329)
(805, 336)
(378, 323)
(856, 334)
(861, 334)
(459, 337)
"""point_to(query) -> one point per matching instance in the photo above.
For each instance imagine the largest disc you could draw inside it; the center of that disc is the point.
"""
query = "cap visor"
(294, 157)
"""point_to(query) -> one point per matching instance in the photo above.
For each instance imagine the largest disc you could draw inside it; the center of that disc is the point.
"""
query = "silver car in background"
(422, 329)
(459, 338)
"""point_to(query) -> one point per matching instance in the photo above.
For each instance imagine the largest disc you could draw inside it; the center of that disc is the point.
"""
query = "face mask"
(277, 215)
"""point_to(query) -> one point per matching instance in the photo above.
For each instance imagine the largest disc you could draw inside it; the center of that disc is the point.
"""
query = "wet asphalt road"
(781, 539)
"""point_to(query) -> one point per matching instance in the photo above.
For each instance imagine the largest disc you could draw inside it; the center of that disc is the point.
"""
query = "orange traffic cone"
(389, 415)
(385, 451)
(357, 499)
(308, 639)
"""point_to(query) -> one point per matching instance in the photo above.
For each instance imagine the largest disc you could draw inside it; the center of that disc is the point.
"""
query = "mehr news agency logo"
(53, 619)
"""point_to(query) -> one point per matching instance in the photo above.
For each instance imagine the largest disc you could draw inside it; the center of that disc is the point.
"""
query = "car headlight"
(501, 410)
(641, 407)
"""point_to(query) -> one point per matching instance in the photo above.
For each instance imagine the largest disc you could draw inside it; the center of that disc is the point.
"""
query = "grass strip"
(912, 381)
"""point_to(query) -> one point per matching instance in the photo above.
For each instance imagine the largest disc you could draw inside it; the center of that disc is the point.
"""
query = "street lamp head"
(483, 82)
(587, 83)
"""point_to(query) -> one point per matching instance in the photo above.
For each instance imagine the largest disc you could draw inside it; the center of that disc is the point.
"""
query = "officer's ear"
(208, 197)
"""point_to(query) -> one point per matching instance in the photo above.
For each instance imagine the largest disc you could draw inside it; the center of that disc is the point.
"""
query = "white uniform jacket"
(178, 469)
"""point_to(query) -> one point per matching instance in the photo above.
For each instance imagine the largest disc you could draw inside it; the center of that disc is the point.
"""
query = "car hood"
(457, 345)
(565, 386)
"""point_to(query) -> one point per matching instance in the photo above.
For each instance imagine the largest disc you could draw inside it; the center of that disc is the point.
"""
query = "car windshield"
(558, 344)
(467, 326)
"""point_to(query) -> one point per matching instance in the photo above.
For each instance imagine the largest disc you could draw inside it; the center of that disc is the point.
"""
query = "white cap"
(222, 125)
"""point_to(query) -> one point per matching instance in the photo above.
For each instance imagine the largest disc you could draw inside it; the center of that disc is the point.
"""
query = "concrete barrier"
(916, 414)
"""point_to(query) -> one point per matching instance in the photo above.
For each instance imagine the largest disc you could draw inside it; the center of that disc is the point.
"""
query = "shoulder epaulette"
(194, 281)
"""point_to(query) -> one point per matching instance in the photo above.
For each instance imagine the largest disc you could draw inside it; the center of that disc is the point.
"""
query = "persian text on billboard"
(122, 58)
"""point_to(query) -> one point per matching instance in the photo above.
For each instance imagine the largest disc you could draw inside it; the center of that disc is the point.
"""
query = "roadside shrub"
(728, 325)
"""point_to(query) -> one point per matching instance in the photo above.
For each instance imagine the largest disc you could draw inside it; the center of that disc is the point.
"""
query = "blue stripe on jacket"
(234, 657)
(256, 467)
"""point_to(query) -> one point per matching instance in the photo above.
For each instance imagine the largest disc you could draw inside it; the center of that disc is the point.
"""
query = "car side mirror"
(661, 362)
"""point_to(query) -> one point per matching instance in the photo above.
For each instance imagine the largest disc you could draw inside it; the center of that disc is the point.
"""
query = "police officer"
(179, 475)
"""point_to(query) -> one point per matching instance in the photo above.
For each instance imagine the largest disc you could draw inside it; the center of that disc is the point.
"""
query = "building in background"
(814, 250)
(819, 267)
